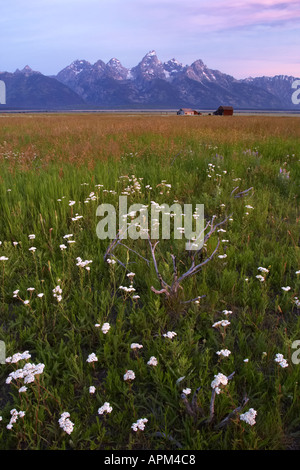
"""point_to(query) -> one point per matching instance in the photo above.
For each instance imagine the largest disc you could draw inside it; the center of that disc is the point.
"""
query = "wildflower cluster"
(83, 264)
(129, 375)
(18, 357)
(65, 423)
(106, 408)
(224, 352)
(92, 358)
(281, 361)
(28, 373)
(152, 361)
(139, 425)
(170, 334)
(14, 417)
(249, 416)
(57, 291)
(260, 277)
(220, 379)
(134, 186)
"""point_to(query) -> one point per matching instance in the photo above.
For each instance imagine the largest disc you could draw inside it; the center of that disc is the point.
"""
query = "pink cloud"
(225, 14)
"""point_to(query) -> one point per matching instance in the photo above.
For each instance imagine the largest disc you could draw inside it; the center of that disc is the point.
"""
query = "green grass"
(61, 335)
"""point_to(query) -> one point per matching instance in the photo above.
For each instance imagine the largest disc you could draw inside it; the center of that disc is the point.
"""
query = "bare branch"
(233, 414)
(243, 193)
(194, 269)
(189, 409)
(152, 247)
(130, 249)
(193, 300)
(194, 399)
(120, 262)
(159, 292)
(233, 191)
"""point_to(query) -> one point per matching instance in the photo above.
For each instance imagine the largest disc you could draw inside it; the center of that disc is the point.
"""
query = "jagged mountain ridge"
(27, 88)
(151, 83)
(172, 84)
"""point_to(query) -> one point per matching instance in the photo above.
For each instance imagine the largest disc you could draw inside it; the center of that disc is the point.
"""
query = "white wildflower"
(281, 361)
(223, 323)
(92, 358)
(106, 408)
(249, 417)
(227, 312)
(139, 425)
(18, 357)
(263, 270)
(220, 379)
(14, 416)
(152, 361)
(105, 328)
(170, 334)
(223, 352)
(136, 346)
(65, 423)
(130, 375)
(57, 291)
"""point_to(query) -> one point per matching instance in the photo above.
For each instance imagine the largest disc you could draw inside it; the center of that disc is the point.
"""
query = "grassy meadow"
(57, 288)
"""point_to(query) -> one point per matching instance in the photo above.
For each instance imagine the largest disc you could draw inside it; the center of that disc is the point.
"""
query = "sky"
(242, 38)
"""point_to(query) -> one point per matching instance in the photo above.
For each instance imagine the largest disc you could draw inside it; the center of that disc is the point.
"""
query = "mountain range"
(150, 84)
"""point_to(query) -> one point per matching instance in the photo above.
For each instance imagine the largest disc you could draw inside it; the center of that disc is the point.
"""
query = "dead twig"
(192, 408)
(233, 414)
(193, 300)
(243, 193)
(171, 291)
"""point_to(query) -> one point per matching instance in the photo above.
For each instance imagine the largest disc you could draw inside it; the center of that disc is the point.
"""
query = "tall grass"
(48, 161)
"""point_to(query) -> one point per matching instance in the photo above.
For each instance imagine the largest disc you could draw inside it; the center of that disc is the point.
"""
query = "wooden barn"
(224, 111)
(188, 112)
